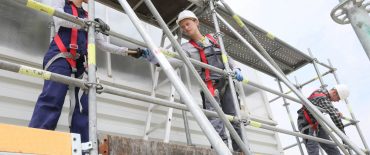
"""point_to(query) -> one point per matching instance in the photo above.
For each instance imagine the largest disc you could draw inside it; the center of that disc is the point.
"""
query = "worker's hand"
(148, 55)
(103, 27)
(238, 74)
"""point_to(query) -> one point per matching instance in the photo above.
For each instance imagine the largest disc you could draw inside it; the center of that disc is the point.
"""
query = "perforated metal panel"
(287, 57)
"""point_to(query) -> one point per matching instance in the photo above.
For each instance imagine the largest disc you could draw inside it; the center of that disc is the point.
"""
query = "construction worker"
(308, 125)
(67, 56)
(205, 48)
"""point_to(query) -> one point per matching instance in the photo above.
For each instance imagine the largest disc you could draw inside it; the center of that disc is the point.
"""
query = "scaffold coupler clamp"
(297, 86)
(230, 73)
(286, 104)
(324, 86)
(97, 85)
(244, 118)
(332, 70)
(88, 23)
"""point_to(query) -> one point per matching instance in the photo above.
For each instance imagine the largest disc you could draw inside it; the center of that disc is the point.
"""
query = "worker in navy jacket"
(67, 55)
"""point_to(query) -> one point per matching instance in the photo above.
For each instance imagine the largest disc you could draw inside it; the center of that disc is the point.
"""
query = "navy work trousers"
(50, 102)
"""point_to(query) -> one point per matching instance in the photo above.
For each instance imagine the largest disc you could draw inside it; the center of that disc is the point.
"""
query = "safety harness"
(204, 60)
(71, 56)
(313, 124)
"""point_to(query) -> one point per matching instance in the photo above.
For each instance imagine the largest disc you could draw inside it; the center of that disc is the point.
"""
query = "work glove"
(238, 74)
(103, 27)
(147, 54)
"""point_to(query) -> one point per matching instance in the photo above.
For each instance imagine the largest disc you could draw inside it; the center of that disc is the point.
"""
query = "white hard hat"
(185, 14)
(342, 91)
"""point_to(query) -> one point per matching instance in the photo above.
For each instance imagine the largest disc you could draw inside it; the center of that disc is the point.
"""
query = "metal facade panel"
(25, 41)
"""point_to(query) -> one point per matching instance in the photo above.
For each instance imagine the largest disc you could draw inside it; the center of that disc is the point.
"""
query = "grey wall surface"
(24, 39)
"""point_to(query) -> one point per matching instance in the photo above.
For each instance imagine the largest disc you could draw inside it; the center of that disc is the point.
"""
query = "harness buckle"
(74, 70)
(207, 79)
(73, 46)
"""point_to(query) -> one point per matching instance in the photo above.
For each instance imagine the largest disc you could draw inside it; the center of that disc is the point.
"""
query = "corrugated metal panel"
(25, 41)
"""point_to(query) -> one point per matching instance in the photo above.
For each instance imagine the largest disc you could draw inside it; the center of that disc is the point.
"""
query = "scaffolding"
(256, 48)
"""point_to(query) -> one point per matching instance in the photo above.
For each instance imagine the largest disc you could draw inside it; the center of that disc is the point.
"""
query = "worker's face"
(334, 95)
(189, 26)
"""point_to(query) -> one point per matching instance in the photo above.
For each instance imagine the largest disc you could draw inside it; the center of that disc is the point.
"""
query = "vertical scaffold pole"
(92, 80)
(351, 112)
(314, 63)
(196, 75)
(286, 105)
(229, 77)
(254, 39)
(323, 85)
(314, 111)
(108, 55)
(199, 116)
(188, 85)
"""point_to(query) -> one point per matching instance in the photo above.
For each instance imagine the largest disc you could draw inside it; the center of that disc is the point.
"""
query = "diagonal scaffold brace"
(199, 116)
(316, 113)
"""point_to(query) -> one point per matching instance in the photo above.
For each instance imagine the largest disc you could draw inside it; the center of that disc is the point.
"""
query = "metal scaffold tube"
(353, 117)
(91, 56)
(129, 94)
(324, 65)
(286, 105)
(106, 89)
(290, 146)
(254, 39)
(39, 73)
(162, 102)
(323, 86)
(304, 136)
(196, 75)
(231, 82)
(317, 114)
(46, 75)
(201, 119)
(91, 84)
(108, 55)
(301, 85)
(188, 85)
(53, 12)
(314, 63)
